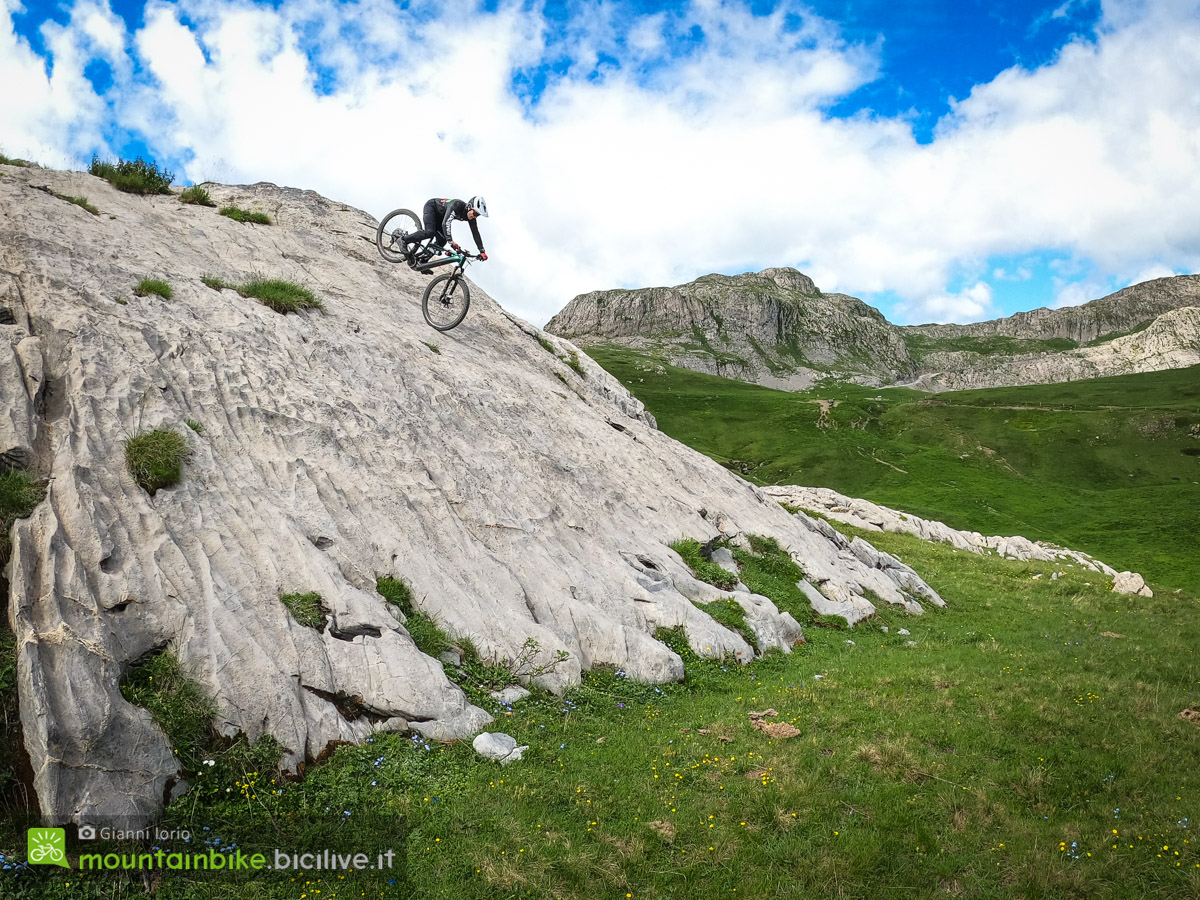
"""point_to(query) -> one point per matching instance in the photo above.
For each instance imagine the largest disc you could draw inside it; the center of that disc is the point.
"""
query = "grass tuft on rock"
(155, 458)
(769, 570)
(11, 161)
(396, 592)
(729, 612)
(704, 569)
(307, 609)
(176, 703)
(81, 202)
(148, 286)
(245, 216)
(574, 364)
(133, 176)
(197, 196)
(425, 632)
(281, 296)
(185, 713)
(20, 492)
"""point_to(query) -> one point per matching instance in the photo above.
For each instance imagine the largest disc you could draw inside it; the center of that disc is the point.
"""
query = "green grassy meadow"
(1109, 466)
(1027, 743)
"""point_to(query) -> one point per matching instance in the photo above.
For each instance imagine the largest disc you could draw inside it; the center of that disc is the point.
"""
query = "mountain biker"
(438, 214)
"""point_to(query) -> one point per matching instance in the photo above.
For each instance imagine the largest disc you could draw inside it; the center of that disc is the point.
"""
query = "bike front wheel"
(446, 301)
(389, 236)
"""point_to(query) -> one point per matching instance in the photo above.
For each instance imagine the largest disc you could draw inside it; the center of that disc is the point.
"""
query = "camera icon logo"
(87, 832)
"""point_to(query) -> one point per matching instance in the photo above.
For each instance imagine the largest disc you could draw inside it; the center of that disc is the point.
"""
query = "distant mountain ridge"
(778, 329)
(1122, 311)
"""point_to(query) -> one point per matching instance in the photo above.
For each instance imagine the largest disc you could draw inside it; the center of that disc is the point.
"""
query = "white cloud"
(1078, 292)
(1152, 272)
(658, 169)
(968, 305)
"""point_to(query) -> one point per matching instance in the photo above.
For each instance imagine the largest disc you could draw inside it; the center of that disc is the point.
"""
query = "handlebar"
(465, 254)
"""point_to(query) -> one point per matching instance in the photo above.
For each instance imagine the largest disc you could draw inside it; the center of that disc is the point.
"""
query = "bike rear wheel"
(446, 301)
(390, 234)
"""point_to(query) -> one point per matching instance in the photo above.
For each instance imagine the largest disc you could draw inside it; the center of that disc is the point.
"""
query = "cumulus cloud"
(971, 304)
(620, 148)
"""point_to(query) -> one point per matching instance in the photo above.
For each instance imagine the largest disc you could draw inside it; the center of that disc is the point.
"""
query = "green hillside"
(1025, 741)
(1109, 466)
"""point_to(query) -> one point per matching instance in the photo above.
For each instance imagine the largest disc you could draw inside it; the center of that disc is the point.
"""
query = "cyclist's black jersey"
(449, 210)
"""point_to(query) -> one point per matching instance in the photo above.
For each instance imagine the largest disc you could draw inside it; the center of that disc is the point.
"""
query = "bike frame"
(439, 261)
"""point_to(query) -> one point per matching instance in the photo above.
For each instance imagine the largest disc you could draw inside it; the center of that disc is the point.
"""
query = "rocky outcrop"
(774, 327)
(520, 499)
(777, 329)
(1123, 311)
(1172, 341)
(873, 517)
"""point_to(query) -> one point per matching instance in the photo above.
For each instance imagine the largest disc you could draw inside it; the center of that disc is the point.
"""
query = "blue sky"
(946, 161)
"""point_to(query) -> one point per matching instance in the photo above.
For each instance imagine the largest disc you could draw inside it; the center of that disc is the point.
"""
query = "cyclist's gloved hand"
(483, 256)
(454, 246)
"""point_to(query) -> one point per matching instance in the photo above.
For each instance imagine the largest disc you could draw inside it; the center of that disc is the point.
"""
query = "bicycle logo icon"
(48, 847)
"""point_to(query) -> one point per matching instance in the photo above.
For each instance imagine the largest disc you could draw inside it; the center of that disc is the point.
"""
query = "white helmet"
(477, 204)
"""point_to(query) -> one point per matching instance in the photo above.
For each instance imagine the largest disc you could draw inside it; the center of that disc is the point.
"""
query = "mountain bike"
(447, 297)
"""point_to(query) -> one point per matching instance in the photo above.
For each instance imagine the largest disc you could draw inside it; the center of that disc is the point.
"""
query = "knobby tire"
(399, 220)
(446, 301)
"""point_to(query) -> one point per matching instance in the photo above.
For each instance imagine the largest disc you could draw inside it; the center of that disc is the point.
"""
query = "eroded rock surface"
(1171, 341)
(518, 498)
(774, 327)
(873, 517)
(778, 329)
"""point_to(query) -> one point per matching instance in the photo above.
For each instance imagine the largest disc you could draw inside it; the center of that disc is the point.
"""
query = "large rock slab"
(1170, 341)
(519, 499)
(873, 517)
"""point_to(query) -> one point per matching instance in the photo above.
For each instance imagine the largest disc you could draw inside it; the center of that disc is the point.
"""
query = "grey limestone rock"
(1131, 583)
(873, 517)
(498, 746)
(337, 446)
(1170, 341)
(773, 327)
(723, 557)
(511, 694)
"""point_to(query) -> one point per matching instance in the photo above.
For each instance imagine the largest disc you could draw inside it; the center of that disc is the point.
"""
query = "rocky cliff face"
(1171, 341)
(519, 498)
(777, 329)
(1123, 311)
(774, 327)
